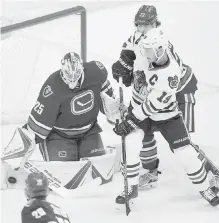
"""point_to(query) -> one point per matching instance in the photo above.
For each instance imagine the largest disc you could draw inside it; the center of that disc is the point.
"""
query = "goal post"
(31, 51)
(46, 18)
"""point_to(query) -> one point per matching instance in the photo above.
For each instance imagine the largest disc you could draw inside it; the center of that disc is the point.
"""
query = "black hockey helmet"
(36, 185)
(146, 15)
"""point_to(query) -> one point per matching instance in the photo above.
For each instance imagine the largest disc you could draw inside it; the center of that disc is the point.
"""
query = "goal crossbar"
(53, 16)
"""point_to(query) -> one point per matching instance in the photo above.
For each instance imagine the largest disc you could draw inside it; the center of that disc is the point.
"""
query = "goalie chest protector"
(64, 108)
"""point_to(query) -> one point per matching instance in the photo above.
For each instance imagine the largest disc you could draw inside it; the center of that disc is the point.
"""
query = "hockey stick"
(124, 165)
(215, 169)
(200, 151)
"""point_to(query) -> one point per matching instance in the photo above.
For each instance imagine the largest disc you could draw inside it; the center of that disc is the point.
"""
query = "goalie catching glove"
(125, 127)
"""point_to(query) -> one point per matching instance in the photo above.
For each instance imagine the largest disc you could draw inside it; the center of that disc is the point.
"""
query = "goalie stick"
(124, 164)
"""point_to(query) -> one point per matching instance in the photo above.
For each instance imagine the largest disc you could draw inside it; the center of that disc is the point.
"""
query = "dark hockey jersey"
(66, 111)
(41, 211)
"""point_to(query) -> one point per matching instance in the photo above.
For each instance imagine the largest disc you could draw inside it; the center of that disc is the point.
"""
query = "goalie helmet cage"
(31, 51)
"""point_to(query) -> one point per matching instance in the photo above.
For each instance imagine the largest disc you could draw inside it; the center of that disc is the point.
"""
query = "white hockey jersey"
(132, 45)
(154, 94)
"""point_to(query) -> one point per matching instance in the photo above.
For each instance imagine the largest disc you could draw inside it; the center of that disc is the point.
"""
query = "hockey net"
(31, 51)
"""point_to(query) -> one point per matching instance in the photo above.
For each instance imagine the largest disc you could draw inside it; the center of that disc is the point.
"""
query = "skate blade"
(147, 186)
(132, 205)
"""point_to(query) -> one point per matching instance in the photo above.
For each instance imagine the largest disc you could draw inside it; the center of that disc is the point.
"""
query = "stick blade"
(128, 210)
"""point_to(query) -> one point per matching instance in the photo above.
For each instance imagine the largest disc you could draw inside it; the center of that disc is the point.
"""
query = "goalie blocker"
(74, 174)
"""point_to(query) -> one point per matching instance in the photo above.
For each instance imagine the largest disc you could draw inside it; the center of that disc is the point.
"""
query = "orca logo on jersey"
(173, 81)
(47, 91)
(82, 103)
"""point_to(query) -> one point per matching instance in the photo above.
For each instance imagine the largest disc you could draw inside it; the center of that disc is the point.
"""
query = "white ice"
(193, 29)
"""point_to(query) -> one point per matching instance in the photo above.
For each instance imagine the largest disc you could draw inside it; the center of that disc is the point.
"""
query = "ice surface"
(194, 31)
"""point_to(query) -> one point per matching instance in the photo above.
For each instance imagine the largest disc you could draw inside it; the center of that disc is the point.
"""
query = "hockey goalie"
(63, 126)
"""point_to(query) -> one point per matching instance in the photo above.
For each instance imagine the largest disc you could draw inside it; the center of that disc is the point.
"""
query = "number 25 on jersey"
(38, 108)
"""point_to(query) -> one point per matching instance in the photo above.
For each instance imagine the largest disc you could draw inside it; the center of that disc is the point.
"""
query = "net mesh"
(29, 56)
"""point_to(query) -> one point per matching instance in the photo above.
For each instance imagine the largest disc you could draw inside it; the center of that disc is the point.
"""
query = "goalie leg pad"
(21, 142)
(103, 166)
(73, 174)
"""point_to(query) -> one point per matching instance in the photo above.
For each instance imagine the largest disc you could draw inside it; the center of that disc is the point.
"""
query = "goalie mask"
(72, 69)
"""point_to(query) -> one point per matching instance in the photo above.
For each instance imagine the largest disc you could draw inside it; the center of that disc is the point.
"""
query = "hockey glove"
(123, 68)
(127, 126)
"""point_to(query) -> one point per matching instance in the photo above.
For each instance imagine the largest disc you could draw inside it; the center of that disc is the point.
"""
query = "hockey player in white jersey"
(146, 19)
(154, 108)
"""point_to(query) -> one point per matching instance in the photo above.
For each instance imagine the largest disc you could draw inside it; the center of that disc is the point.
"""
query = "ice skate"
(210, 196)
(148, 179)
(132, 195)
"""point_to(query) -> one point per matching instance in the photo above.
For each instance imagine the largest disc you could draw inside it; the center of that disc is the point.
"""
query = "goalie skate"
(148, 179)
(210, 196)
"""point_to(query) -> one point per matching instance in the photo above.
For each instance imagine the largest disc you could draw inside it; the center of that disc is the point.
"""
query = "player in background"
(38, 209)
(146, 19)
(64, 118)
(154, 108)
